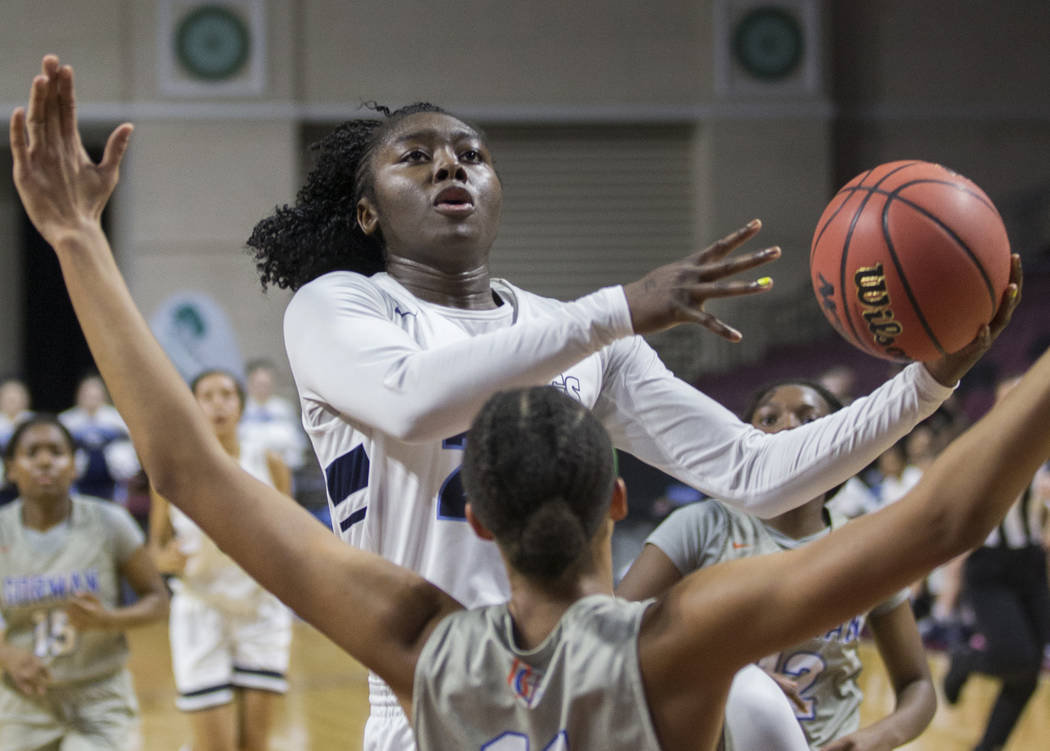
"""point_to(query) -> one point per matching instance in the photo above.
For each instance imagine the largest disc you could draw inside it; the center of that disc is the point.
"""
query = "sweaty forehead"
(429, 126)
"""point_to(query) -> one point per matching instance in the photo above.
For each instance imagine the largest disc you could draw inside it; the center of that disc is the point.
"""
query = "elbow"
(952, 531)
(182, 467)
(167, 480)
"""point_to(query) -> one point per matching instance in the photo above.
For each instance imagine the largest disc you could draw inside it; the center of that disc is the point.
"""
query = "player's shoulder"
(334, 283)
(10, 516)
(524, 302)
(88, 509)
(698, 512)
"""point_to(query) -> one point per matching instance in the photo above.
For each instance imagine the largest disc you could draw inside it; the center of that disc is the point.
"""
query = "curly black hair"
(299, 243)
(538, 472)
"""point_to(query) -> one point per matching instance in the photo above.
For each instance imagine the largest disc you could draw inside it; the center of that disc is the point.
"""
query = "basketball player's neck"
(808, 519)
(536, 607)
(468, 288)
(43, 514)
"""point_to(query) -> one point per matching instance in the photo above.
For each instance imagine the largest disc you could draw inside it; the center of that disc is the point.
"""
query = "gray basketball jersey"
(580, 689)
(825, 667)
(39, 572)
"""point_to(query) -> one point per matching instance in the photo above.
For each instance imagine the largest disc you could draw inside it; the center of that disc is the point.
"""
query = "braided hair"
(320, 233)
(539, 472)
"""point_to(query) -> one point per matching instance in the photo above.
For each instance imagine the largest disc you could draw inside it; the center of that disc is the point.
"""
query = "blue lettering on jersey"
(452, 499)
(570, 385)
(847, 632)
(43, 589)
(347, 474)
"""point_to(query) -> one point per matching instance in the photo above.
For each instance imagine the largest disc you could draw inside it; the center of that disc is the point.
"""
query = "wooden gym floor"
(327, 701)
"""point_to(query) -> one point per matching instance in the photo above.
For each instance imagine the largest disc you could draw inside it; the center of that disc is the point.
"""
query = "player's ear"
(477, 526)
(367, 217)
(618, 502)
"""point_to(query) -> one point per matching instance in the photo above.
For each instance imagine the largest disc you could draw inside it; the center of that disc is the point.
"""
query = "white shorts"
(387, 728)
(214, 652)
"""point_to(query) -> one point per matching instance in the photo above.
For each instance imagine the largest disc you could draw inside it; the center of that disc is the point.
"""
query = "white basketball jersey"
(389, 384)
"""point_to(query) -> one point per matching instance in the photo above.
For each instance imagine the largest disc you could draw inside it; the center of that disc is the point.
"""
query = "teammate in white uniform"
(230, 638)
(712, 624)
(62, 646)
(391, 367)
(820, 673)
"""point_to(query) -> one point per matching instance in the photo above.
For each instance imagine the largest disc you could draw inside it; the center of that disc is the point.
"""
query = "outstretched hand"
(676, 293)
(949, 369)
(62, 190)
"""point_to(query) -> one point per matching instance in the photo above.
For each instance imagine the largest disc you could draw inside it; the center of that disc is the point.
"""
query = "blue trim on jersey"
(353, 519)
(347, 474)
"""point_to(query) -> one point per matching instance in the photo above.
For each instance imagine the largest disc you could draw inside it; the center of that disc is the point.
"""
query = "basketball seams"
(919, 233)
(848, 307)
(820, 230)
(950, 232)
(902, 277)
(926, 180)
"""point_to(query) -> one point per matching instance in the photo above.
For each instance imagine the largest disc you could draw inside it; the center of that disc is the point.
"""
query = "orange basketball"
(908, 260)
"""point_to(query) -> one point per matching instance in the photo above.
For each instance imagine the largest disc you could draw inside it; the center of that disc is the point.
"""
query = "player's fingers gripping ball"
(908, 261)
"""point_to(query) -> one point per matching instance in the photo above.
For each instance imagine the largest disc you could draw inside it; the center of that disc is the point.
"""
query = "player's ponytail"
(552, 539)
(538, 473)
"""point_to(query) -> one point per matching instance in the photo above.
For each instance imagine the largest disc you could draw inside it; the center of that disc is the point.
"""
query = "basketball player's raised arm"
(365, 366)
(757, 606)
(370, 370)
(675, 427)
(378, 612)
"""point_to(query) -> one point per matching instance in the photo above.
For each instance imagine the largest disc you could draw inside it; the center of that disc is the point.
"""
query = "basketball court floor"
(327, 702)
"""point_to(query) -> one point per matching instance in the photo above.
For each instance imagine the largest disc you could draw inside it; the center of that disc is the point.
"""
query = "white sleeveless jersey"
(390, 383)
(825, 667)
(580, 689)
(40, 571)
(211, 575)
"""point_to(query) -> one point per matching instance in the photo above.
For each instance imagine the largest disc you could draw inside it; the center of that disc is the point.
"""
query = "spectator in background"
(896, 474)
(841, 381)
(269, 419)
(14, 409)
(105, 457)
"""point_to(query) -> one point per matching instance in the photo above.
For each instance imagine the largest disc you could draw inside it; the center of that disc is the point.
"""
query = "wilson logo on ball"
(909, 260)
(873, 296)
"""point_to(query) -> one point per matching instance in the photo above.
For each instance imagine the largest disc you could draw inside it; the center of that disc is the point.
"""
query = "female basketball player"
(397, 334)
(821, 672)
(62, 646)
(394, 620)
(230, 638)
